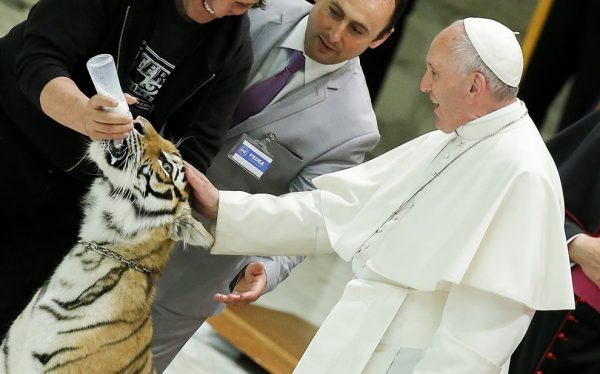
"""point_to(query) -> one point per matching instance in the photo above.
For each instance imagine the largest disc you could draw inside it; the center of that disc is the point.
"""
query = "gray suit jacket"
(324, 126)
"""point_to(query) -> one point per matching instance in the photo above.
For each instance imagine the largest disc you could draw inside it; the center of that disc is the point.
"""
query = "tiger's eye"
(168, 168)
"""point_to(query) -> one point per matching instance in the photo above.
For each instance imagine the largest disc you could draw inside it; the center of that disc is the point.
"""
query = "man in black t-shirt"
(49, 110)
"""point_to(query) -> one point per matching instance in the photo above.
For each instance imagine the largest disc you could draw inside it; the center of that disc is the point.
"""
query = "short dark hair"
(398, 11)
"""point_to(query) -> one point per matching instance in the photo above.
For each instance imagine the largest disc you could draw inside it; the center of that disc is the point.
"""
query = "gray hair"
(469, 60)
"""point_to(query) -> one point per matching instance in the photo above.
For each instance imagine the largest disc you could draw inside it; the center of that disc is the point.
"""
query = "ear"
(478, 86)
(188, 230)
(377, 42)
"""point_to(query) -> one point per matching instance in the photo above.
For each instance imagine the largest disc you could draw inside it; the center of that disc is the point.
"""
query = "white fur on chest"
(131, 224)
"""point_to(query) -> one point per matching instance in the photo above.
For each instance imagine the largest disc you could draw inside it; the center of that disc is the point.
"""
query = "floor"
(317, 282)
(207, 353)
(403, 113)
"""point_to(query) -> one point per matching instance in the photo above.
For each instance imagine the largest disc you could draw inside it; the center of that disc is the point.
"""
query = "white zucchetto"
(498, 47)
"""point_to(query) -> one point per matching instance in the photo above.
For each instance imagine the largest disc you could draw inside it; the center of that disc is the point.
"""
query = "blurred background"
(403, 113)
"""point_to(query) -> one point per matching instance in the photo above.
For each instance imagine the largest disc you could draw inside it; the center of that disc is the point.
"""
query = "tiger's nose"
(139, 127)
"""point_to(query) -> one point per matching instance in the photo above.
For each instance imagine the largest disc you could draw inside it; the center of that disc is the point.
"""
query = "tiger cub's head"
(144, 186)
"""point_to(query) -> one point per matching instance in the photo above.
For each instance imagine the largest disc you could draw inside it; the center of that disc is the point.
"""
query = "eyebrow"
(356, 23)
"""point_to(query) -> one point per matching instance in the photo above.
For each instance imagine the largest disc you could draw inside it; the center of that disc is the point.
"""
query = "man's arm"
(274, 270)
(585, 251)
(58, 35)
(62, 101)
(293, 223)
(348, 154)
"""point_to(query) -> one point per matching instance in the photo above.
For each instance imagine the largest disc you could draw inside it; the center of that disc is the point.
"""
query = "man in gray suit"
(321, 121)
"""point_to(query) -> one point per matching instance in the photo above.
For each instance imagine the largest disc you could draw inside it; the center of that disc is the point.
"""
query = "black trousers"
(560, 342)
(40, 211)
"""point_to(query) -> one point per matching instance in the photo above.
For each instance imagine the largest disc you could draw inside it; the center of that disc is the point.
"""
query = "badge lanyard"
(253, 155)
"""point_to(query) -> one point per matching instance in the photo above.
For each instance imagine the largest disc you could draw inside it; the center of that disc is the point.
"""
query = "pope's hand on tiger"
(205, 195)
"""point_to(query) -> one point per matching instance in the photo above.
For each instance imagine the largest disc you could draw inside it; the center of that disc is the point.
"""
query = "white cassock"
(455, 239)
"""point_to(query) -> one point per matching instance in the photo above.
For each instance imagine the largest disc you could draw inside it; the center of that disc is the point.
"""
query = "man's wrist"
(237, 278)
(578, 246)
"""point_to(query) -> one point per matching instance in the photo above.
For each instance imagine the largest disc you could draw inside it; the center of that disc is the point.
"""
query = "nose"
(138, 126)
(336, 33)
(425, 85)
(238, 11)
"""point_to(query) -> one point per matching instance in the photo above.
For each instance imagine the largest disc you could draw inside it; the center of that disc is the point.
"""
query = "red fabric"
(585, 288)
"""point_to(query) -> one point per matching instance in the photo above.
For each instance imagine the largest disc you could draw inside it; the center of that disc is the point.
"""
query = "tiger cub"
(94, 313)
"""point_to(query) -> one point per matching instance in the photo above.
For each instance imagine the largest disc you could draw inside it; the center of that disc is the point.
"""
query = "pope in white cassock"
(455, 237)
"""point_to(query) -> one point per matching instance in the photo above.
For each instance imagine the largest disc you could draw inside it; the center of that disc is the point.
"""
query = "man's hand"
(103, 124)
(62, 101)
(248, 288)
(585, 251)
(206, 196)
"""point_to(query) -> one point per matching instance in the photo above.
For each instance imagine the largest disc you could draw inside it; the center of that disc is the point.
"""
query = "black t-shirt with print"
(171, 40)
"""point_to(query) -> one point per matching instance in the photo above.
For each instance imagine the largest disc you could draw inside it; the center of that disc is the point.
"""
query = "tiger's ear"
(190, 231)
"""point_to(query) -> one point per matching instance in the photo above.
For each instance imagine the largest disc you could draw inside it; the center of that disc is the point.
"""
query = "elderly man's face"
(445, 82)
(339, 30)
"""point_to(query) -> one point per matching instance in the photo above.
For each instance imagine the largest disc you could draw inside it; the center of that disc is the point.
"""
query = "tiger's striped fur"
(94, 313)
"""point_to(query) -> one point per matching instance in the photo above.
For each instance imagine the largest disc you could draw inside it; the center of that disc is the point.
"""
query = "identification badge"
(252, 155)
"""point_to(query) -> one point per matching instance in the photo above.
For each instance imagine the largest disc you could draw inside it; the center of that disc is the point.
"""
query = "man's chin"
(444, 127)
(323, 54)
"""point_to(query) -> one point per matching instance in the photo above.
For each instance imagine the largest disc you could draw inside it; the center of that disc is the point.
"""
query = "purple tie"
(257, 97)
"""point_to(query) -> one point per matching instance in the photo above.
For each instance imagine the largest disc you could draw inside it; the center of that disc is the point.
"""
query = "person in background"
(377, 62)
(455, 237)
(566, 52)
(185, 61)
(568, 341)
(320, 121)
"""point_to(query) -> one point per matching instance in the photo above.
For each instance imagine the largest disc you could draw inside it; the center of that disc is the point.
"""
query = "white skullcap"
(498, 47)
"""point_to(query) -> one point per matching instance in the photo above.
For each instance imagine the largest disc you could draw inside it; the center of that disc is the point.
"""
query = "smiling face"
(339, 30)
(204, 11)
(445, 82)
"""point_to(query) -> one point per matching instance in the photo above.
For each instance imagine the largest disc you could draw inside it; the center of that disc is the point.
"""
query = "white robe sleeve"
(477, 334)
(261, 224)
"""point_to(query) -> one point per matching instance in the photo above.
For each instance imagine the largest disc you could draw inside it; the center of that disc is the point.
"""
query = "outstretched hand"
(205, 196)
(248, 288)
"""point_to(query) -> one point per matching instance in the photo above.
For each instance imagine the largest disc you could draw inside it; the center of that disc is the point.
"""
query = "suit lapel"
(263, 40)
(267, 30)
(298, 100)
